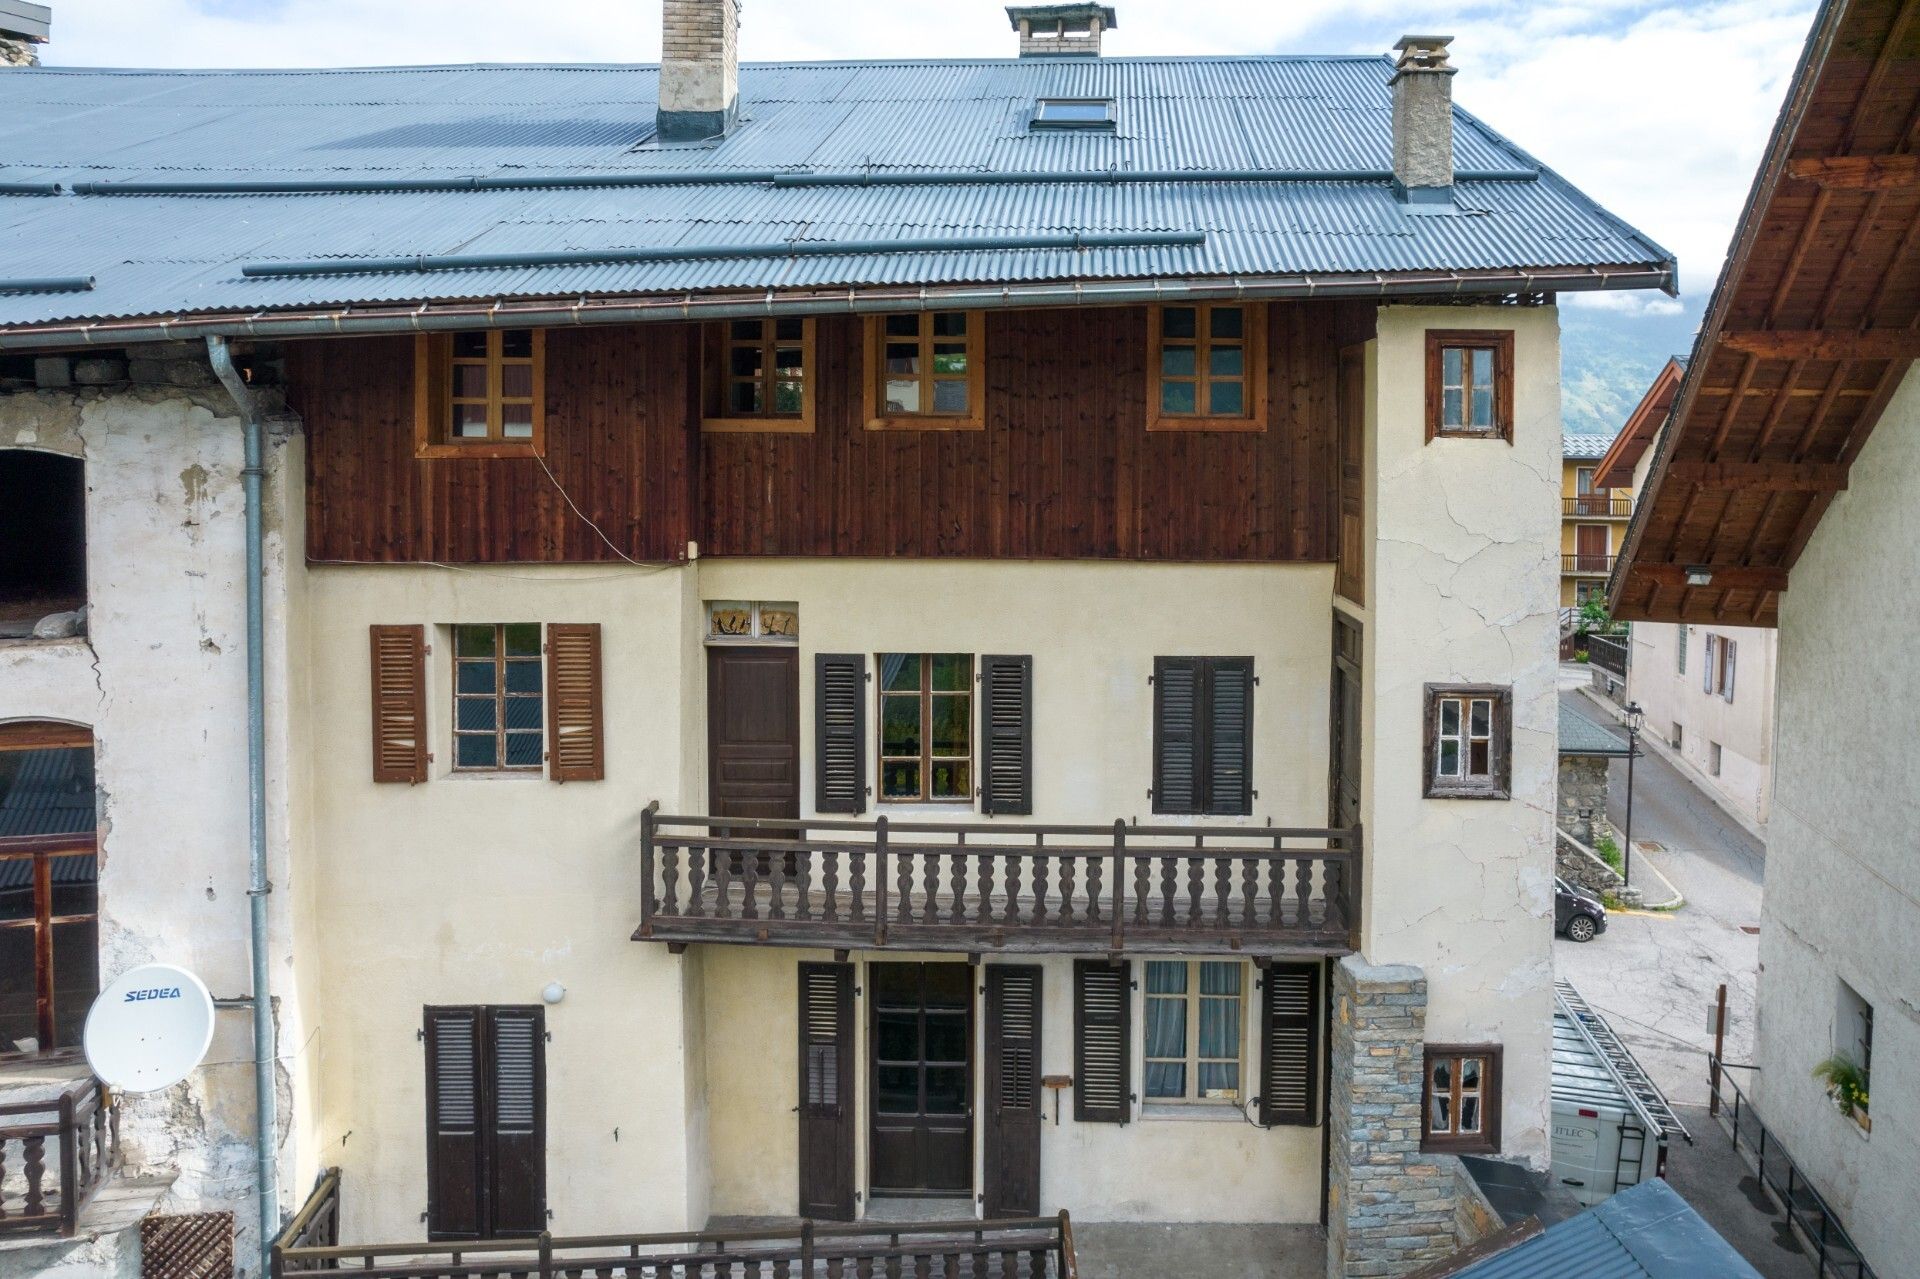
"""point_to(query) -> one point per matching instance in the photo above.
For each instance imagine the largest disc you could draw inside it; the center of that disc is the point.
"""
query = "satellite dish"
(149, 1028)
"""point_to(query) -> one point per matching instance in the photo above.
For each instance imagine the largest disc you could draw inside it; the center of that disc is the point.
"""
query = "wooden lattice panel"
(195, 1245)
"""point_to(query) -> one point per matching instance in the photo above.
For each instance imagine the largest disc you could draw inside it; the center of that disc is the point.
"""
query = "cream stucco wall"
(1743, 727)
(1843, 873)
(1464, 583)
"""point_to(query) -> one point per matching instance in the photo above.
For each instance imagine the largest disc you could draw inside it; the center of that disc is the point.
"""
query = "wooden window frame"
(927, 758)
(1253, 342)
(1498, 783)
(500, 697)
(879, 418)
(40, 851)
(1487, 1140)
(433, 362)
(1500, 342)
(1192, 1061)
(716, 340)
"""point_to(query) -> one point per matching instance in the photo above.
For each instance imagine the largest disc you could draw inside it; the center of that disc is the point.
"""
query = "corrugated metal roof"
(1647, 1232)
(46, 792)
(174, 254)
(1584, 444)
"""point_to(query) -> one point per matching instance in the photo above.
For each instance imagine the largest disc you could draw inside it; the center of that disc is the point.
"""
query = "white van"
(1611, 1124)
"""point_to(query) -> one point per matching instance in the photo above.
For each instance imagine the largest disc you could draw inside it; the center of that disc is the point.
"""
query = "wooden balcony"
(1597, 506)
(54, 1153)
(1577, 564)
(995, 886)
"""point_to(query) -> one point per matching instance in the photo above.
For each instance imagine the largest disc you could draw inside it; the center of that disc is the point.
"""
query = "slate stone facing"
(1391, 1209)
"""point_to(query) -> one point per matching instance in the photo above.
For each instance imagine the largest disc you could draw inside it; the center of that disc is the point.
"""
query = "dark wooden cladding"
(1064, 469)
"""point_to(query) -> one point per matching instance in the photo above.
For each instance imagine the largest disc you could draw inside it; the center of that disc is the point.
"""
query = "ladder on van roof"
(1642, 1093)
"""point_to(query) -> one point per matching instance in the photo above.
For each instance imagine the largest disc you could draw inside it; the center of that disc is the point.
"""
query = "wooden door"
(826, 1091)
(753, 732)
(1010, 1095)
(921, 1136)
(486, 1122)
(1590, 547)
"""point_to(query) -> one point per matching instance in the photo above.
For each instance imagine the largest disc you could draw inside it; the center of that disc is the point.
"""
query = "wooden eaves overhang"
(1812, 325)
(1615, 469)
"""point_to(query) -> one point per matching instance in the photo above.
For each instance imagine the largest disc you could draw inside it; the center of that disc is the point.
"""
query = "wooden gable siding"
(1064, 469)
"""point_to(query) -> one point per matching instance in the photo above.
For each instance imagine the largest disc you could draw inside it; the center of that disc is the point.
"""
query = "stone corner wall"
(1582, 871)
(1391, 1208)
(1582, 790)
(1473, 1217)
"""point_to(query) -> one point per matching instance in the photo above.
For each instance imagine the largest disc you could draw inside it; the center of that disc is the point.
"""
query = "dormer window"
(1073, 113)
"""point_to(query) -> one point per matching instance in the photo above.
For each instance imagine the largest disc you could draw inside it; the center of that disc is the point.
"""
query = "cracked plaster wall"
(161, 680)
(1464, 587)
(1843, 866)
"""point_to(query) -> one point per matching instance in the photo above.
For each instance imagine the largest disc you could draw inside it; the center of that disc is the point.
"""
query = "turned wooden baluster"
(1169, 891)
(983, 911)
(1039, 879)
(828, 860)
(1223, 891)
(1093, 915)
(856, 888)
(1015, 914)
(1065, 914)
(957, 867)
(35, 1168)
(1142, 887)
(669, 903)
(1303, 890)
(803, 864)
(778, 877)
(930, 886)
(1250, 892)
(749, 885)
(1196, 887)
(904, 862)
(697, 883)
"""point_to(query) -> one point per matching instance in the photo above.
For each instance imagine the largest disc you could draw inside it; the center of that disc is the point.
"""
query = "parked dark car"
(1577, 913)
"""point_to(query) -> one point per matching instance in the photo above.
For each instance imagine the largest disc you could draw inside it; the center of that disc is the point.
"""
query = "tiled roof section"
(1584, 444)
(162, 254)
(1582, 736)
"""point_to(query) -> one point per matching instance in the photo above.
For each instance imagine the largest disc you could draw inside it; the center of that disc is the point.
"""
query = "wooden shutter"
(1012, 1137)
(399, 703)
(455, 1163)
(1350, 574)
(1229, 720)
(576, 737)
(1177, 742)
(1102, 1042)
(516, 1129)
(1006, 748)
(826, 1091)
(1290, 1045)
(839, 733)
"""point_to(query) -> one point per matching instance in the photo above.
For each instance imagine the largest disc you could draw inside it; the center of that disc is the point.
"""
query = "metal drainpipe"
(266, 1096)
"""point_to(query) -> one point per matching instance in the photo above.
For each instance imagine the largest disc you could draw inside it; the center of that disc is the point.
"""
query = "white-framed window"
(1195, 1031)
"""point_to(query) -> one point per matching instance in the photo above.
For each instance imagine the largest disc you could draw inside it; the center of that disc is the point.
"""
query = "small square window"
(1206, 367)
(1460, 1098)
(1470, 383)
(1073, 113)
(757, 375)
(480, 394)
(925, 371)
(1469, 728)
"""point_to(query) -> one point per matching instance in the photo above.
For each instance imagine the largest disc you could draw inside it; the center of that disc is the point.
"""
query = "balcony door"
(921, 1138)
(1590, 548)
(753, 731)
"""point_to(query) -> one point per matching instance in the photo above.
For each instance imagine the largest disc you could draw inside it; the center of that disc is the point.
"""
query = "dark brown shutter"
(1229, 754)
(826, 1091)
(839, 733)
(1102, 1042)
(1177, 742)
(1290, 1045)
(1012, 1137)
(399, 703)
(1006, 748)
(576, 738)
(516, 1114)
(455, 1163)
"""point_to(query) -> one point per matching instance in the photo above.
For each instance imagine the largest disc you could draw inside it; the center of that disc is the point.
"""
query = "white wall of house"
(1741, 727)
(1843, 877)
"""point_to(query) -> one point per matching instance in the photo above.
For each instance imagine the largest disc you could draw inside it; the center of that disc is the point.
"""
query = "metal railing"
(1578, 563)
(1598, 506)
(1834, 1253)
(1608, 652)
(83, 1125)
(996, 886)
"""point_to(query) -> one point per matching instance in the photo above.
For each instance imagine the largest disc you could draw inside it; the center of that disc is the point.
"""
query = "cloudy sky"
(1659, 110)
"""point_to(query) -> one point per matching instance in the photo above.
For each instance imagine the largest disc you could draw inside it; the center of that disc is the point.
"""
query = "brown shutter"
(1350, 576)
(399, 703)
(1006, 747)
(1012, 1136)
(839, 733)
(1102, 1042)
(576, 738)
(826, 1091)
(455, 1174)
(1177, 742)
(1228, 700)
(1290, 1045)
(516, 1114)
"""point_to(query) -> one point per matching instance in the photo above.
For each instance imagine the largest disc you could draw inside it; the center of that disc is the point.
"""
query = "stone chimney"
(1060, 30)
(699, 69)
(1423, 121)
(22, 27)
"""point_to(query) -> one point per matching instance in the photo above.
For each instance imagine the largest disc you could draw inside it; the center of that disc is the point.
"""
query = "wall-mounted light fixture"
(553, 992)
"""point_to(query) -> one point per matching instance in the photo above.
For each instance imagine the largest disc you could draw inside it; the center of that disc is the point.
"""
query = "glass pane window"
(1465, 738)
(926, 726)
(1194, 1012)
(499, 707)
(1205, 366)
(1461, 1109)
(927, 365)
(758, 368)
(492, 386)
(49, 888)
(1467, 389)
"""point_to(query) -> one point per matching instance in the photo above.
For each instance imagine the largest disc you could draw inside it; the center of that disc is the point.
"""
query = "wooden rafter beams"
(1762, 477)
(1735, 577)
(1825, 344)
(1859, 172)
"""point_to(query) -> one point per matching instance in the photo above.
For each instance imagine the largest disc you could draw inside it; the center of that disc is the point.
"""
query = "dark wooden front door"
(753, 732)
(826, 1091)
(1010, 1093)
(922, 1110)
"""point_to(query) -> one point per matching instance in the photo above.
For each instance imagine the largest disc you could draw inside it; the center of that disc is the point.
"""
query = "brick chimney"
(1060, 30)
(22, 27)
(699, 69)
(1423, 121)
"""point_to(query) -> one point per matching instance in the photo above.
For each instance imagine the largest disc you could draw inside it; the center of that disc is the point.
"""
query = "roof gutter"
(546, 313)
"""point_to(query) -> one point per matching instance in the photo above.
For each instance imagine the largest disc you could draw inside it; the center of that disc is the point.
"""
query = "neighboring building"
(1782, 496)
(1587, 752)
(833, 631)
(1592, 518)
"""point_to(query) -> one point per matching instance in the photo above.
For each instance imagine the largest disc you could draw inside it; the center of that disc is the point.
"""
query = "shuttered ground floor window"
(486, 1121)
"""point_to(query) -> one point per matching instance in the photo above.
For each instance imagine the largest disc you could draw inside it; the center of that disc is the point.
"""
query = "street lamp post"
(1635, 717)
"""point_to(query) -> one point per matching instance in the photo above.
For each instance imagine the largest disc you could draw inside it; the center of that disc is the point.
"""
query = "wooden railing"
(1597, 505)
(54, 1153)
(1578, 563)
(997, 886)
(315, 1226)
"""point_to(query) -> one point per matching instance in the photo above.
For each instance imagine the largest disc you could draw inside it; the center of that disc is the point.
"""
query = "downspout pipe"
(265, 1057)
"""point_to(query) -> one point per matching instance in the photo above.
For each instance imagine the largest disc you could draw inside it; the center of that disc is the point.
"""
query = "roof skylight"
(1073, 113)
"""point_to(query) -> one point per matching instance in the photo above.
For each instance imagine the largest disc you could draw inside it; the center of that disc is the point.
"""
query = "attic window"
(1073, 113)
